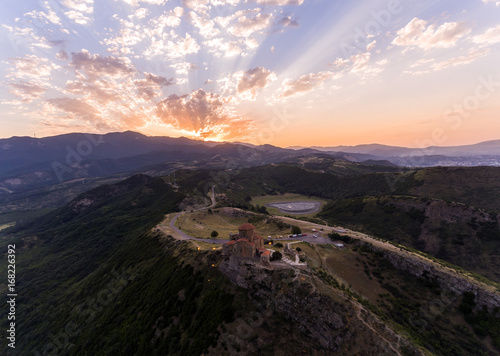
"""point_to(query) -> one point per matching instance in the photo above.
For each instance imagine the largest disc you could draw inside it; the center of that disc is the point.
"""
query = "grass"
(4, 226)
(287, 197)
(205, 245)
(202, 223)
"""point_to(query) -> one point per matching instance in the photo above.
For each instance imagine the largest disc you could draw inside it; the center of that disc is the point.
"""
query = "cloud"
(304, 84)
(141, 13)
(371, 45)
(422, 62)
(417, 34)
(491, 36)
(94, 66)
(206, 27)
(254, 79)
(62, 55)
(471, 56)
(154, 33)
(32, 66)
(47, 17)
(173, 49)
(204, 115)
(77, 107)
(151, 86)
(227, 48)
(497, 3)
(287, 21)
(106, 93)
(78, 10)
(246, 25)
(27, 91)
(26, 36)
(279, 2)
(360, 64)
(426, 66)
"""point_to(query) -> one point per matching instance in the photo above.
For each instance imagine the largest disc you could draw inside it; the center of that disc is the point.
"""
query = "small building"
(265, 257)
(244, 244)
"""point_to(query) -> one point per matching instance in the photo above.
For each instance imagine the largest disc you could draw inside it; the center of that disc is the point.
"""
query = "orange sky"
(287, 72)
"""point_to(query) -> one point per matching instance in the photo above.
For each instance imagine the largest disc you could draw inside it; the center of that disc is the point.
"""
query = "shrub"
(276, 256)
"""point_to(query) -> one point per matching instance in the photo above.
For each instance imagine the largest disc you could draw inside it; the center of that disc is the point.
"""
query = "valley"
(398, 261)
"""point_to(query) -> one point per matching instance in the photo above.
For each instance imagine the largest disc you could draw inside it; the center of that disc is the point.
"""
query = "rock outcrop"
(321, 313)
(448, 280)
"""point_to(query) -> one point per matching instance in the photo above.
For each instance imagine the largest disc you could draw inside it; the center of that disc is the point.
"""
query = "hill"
(29, 163)
(95, 278)
(450, 213)
(481, 148)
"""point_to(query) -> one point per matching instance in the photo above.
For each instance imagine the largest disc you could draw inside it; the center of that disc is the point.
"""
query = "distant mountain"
(27, 163)
(489, 148)
(480, 154)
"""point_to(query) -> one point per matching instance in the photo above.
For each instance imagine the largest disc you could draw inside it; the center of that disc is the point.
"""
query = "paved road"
(324, 240)
(183, 236)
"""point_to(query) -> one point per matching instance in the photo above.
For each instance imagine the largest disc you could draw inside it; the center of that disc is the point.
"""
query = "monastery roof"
(258, 238)
(266, 253)
(242, 240)
(232, 242)
(246, 227)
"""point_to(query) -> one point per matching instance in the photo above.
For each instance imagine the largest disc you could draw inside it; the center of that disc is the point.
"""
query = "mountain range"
(27, 163)
(482, 148)
(96, 222)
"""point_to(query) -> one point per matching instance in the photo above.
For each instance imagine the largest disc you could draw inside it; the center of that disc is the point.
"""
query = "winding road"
(181, 235)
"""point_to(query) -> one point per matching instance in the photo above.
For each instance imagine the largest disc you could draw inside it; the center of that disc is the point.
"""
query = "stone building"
(246, 245)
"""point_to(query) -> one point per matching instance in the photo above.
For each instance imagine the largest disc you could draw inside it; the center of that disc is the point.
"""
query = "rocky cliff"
(324, 315)
(447, 279)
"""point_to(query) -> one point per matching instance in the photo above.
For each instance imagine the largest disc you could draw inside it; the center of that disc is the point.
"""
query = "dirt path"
(375, 331)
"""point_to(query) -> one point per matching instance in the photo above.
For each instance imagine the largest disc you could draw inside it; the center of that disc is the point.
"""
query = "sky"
(282, 72)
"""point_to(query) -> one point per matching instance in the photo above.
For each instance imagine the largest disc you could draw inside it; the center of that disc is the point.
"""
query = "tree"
(214, 234)
(296, 230)
(279, 245)
(263, 210)
(276, 256)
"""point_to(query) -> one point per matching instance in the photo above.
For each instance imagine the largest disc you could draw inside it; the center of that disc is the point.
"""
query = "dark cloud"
(254, 79)
(151, 86)
(287, 21)
(62, 54)
(95, 66)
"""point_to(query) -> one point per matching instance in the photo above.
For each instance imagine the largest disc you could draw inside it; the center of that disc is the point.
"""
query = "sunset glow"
(283, 72)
